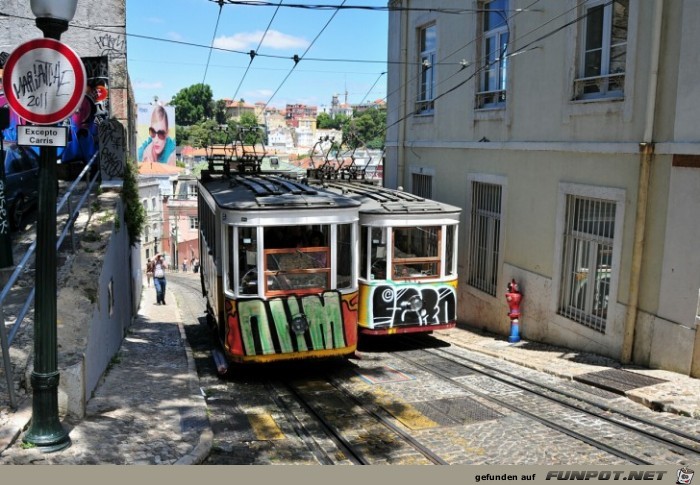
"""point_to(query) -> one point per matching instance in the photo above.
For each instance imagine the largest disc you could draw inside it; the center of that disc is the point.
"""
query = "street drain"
(617, 380)
(455, 411)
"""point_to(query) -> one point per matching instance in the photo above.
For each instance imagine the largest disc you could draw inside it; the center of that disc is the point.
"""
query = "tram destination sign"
(46, 136)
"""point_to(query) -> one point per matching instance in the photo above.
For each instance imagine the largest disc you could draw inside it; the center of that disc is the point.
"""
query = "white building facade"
(569, 136)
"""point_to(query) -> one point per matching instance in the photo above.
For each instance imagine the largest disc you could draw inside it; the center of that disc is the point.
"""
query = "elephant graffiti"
(412, 305)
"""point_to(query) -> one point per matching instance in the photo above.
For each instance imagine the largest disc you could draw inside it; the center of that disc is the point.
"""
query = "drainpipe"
(646, 156)
(401, 152)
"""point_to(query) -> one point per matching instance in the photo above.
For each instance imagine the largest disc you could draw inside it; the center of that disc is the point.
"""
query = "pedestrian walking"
(159, 268)
(149, 272)
(195, 265)
(184, 266)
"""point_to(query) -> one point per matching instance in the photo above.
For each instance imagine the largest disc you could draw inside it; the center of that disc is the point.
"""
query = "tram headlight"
(415, 303)
(299, 324)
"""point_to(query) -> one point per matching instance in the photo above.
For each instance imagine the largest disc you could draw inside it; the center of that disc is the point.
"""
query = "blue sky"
(162, 68)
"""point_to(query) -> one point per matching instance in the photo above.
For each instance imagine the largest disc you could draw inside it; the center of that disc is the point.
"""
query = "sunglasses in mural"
(160, 133)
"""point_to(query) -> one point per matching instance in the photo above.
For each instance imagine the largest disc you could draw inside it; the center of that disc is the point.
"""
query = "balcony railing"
(594, 87)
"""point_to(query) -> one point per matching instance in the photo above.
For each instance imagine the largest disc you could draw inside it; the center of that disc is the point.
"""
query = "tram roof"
(376, 199)
(269, 191)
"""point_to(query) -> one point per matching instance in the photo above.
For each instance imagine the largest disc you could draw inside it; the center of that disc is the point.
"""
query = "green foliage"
(325, 122)
(197, 169)
(134, 213)
(247, 121)
(220, 112)
(204, 134)
(193, 104)
(367, 129)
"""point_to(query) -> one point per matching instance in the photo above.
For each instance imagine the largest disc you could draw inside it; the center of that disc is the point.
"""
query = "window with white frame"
(485, 236)
(587, 260)
(194, 222)
(427, 38)
(603, 50)
(494, 52)
(153, 203)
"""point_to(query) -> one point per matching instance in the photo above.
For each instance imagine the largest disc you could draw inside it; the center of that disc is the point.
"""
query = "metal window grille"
(485, 235)
(422, 185)
(587, 260)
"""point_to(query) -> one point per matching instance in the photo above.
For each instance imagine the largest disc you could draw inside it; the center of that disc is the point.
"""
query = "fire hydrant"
(513, 297)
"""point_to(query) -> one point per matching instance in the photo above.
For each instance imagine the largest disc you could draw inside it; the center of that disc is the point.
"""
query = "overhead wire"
(394, 8)
(526, 48)
(216, 28)
(372, 87)
(297, 58)
(254, 53)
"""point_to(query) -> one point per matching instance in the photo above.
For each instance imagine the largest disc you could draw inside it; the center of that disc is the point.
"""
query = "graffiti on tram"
(291, 323)
(398, 305)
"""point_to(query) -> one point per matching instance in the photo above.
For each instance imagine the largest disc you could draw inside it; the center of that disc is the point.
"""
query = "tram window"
(416, 252)
(450, 251)
(229, 270)
(297, 258)
(247, 261)
(364, 251)
(378, 254)
(345, 259)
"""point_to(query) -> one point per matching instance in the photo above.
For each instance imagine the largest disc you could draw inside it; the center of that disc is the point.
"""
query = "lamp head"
(52, 16)
(54, 9)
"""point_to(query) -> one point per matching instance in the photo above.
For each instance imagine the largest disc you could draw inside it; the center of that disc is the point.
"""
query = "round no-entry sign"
(44, 81)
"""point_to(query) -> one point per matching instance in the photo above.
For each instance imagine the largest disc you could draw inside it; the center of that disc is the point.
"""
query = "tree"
(249, 123)
(368, 129)
(193, 104)
(324, 121)
(220, 112)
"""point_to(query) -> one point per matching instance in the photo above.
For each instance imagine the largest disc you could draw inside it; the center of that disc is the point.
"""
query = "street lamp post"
(46, 431)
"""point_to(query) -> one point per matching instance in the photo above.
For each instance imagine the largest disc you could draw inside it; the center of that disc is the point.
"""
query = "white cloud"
(146, 85)
(258, 94)
(250, 40)
(175, 36)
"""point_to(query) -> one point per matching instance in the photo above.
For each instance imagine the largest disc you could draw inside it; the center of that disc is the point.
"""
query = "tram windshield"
(294, 259)
(416, 252)
(297, 258)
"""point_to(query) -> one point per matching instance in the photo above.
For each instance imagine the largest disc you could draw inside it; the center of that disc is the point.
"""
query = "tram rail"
(604, 408)
(531, 387)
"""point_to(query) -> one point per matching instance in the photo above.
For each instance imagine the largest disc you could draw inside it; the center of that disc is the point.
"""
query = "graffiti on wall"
(111, 45)
(4, 221)
(291, 324)
(83, 136)
(398, 305)
(112, 149)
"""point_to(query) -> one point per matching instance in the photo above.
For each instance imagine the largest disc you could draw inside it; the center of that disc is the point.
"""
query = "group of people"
(194, 263)
(155, 270)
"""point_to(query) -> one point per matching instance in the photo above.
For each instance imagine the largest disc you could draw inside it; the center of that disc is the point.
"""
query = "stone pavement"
(149, 409)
